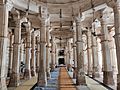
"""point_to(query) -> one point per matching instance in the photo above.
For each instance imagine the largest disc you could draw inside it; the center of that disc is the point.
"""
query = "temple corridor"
(59, 44)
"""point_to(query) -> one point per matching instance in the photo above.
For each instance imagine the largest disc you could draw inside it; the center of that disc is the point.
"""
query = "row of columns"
(93, 65)
(107, 70)
(16, 53)
(14, 80)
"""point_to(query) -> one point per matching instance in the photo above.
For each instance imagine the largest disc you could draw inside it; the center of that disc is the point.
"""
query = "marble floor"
(53, 83)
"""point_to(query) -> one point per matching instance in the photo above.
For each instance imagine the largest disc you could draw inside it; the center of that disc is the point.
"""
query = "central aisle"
(65, 82)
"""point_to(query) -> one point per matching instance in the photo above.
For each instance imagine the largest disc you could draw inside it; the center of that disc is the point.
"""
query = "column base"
(52, 68)
(80, 80)
(14, 80)
(108, 77)
(69, 67)
(48, 74)
(89, 73)
(33, 73)
(3, 84)
(27, 74)
(42, 83)
(96, 75)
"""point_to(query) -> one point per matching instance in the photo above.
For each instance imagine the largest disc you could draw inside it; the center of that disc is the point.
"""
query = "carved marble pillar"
(27, 73)
(116, 10)
(75, 60)
(48, 53)
(3, 43)
(113, 51)
(33, 61)
(95, 72)
(56, 61)
(80, 78)
(42, 79)
(52, 55)
(69, 52)
(74, 51)
(10, 54)
(14, 78)
(65, 56)
(89, 51)
(107, 73)
(37, 53)
(22, 59)
(68, 55)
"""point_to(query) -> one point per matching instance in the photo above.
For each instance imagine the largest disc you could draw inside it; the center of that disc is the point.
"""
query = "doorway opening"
(61, 61)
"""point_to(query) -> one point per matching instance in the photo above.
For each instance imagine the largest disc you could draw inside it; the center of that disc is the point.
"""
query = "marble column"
(15, 76)
(80, 78)
(27, 73)
(48, 53)
(107, 71)
(116, 10)
(66, 50)
(69, 52)
(89, 52)
(74, 54)
(95, 72)
(3, 43)
(68, 55)
(10, 54)
(56, 61)
(42, 78)
(33, 61)
(37, 53)
(52, 55)
(113, 51)
(65, 56)
(22, 58)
